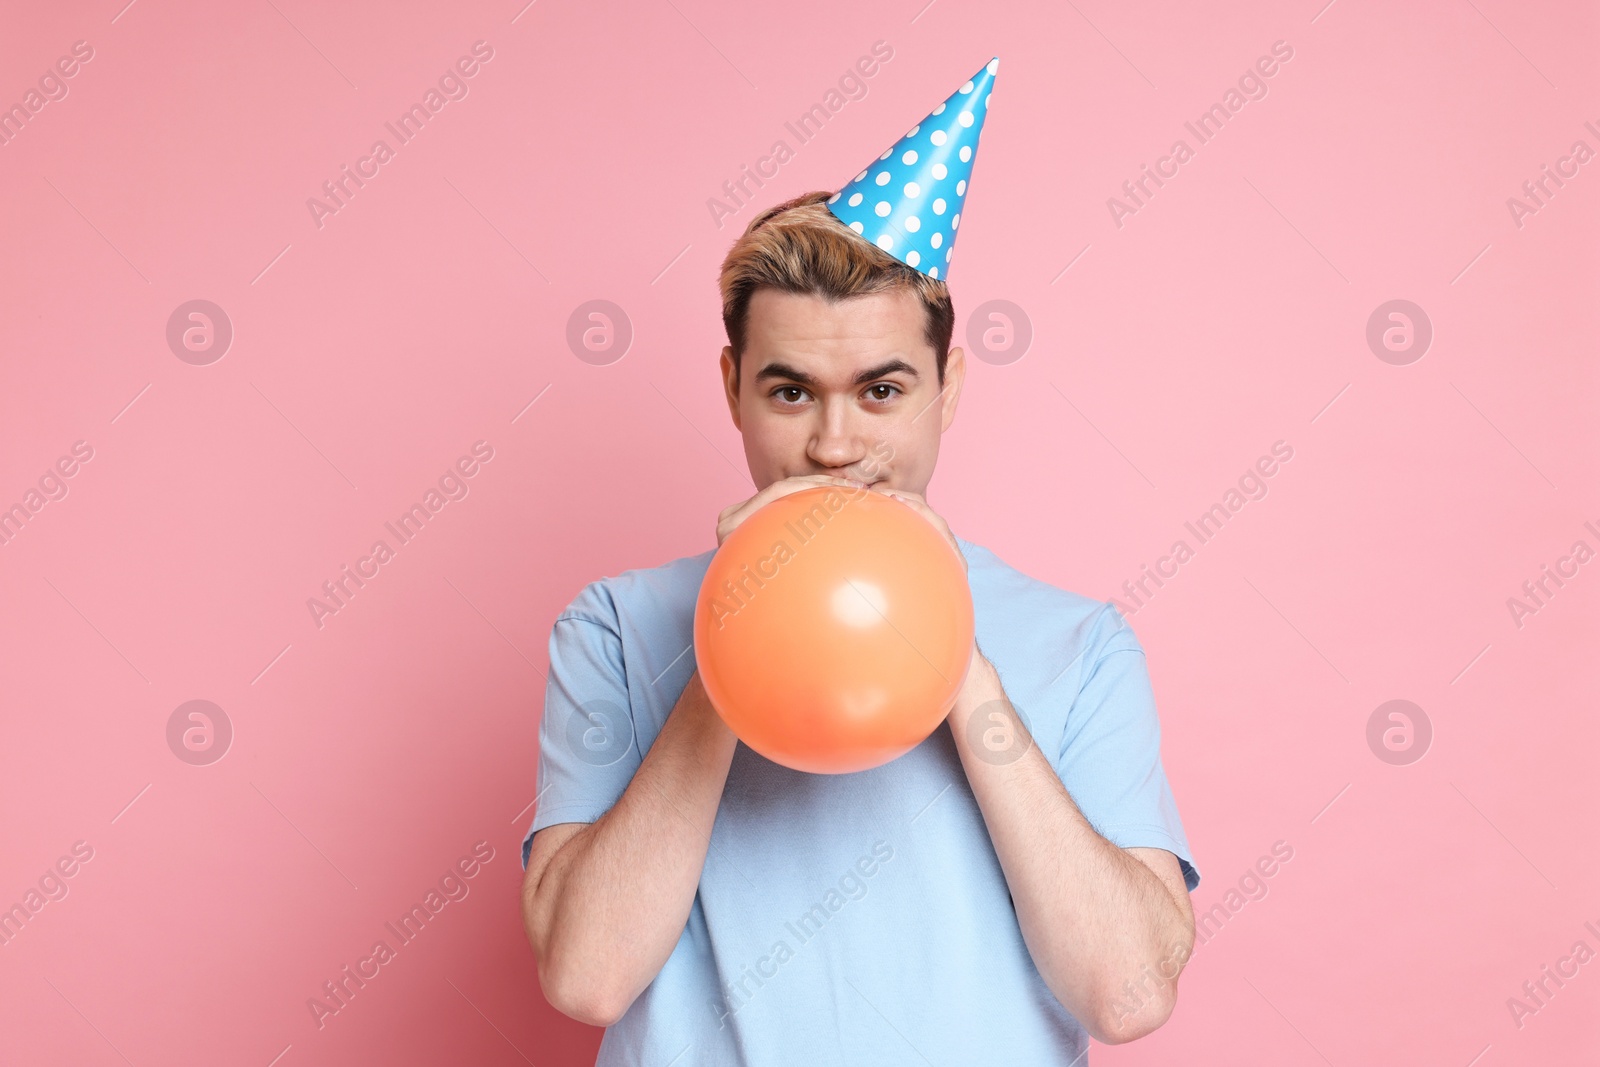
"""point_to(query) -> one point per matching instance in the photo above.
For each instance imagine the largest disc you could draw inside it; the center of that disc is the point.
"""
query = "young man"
(1010, 887)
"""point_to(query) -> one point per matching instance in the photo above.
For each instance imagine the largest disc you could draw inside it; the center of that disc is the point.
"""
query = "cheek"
(907, 451)
(772, 443)
(918, 441)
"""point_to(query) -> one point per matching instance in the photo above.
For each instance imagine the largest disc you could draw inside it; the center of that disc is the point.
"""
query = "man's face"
(848, 388)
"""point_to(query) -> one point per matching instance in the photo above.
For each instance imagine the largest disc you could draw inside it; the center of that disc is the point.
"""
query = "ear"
(955, 374)
(730, 384)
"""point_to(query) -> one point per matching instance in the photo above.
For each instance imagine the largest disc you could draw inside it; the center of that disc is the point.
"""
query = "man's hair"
(802, 247)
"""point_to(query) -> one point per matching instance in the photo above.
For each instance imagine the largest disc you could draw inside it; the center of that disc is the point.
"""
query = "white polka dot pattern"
(930, 165)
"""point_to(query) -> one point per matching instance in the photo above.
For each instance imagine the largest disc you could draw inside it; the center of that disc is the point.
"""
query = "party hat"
(908, 200)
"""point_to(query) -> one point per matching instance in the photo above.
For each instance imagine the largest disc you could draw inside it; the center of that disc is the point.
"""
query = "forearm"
(613, 901)
(1093, 916)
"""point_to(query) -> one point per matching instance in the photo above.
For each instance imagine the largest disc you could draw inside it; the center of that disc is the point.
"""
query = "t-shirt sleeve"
(588, 750)
(1110, 755)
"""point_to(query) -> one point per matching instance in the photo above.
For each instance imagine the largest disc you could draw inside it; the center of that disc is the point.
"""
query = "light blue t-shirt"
(854, 918)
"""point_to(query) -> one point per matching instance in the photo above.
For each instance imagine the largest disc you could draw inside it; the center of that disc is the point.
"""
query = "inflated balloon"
(834, 629)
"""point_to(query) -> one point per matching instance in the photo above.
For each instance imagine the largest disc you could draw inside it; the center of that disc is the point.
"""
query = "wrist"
(982, 681)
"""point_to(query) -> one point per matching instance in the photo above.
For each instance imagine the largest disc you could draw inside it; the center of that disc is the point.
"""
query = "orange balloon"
(834, 629)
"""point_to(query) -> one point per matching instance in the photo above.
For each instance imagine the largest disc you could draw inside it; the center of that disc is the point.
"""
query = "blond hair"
(802, 247)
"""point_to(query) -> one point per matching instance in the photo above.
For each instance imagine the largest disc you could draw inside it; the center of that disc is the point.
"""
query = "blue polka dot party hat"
(908, 200)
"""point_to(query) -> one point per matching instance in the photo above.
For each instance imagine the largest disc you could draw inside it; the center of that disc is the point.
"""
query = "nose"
(835, 443)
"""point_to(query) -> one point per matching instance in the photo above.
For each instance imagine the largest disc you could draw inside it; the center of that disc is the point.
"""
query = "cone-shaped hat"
(908, 200)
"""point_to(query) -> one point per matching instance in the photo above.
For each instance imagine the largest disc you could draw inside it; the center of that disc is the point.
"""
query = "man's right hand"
(734, 514)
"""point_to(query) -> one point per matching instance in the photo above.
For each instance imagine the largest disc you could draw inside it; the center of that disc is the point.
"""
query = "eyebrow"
(783, 370)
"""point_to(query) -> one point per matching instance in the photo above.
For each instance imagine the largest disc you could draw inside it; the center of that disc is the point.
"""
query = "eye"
(873, 391)
(782, 393)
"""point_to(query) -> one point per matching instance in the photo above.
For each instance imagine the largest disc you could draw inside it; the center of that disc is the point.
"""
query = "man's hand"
(734, 514)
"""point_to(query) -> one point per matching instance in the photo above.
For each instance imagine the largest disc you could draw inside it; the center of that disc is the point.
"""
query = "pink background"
(368, 354)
